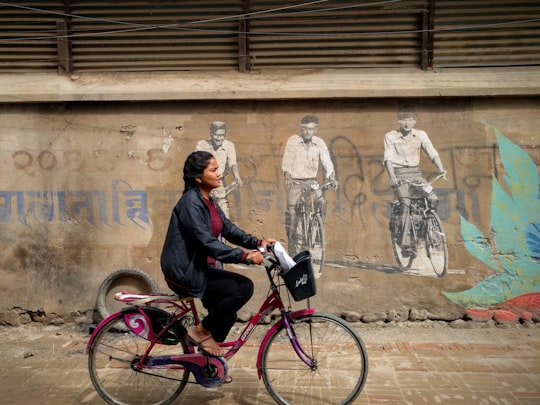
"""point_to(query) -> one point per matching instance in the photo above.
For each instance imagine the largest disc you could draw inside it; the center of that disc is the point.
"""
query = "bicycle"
(307, 231)
(426, 227)
(304, 356)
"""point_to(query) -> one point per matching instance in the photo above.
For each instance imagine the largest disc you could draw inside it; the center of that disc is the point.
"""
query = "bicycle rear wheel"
(317, 244)
(436, 246)
(111, 357)
(339, 369)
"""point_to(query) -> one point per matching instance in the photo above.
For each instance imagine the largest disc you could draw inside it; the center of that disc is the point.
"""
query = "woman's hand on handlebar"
(269, 241)
(256, 256)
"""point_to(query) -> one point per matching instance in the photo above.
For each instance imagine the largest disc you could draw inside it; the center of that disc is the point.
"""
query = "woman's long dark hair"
(194, 167)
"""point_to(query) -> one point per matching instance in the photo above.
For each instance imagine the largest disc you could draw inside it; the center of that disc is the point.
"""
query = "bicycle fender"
(141, 320)
(277, 325)
(98, 328)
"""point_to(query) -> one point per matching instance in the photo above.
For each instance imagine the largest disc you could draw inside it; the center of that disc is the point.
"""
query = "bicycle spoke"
(110, 363)
(404, 261)
(297, 237)
(436, 246)
(340, 363)
(317, 244)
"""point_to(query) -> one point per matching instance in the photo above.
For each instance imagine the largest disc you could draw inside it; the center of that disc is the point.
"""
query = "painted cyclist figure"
(303, 156)
(225, 153)
(401, 159)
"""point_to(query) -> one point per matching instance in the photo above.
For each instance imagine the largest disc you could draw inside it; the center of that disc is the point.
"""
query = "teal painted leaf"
(493, 291)
(533, 240)
(521, 176)
(478, 246)
(515, 219)
(510, 231)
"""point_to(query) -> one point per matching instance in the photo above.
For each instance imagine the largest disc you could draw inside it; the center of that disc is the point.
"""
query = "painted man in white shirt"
(401, 159)
(303, 156)
(225, 154)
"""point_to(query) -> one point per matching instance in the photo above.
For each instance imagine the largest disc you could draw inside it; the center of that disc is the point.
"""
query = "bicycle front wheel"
(297, 235)
(316, 245)
(338, 369)
(403, 260)
(111, 360)
(436, 246)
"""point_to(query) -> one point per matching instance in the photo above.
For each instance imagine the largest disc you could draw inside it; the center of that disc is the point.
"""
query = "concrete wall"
(87, 188)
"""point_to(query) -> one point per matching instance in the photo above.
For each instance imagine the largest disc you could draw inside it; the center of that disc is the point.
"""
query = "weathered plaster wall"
(87, 188)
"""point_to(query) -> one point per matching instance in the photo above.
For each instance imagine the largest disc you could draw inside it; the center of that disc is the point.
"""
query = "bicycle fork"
(308, 359)
(297, 346)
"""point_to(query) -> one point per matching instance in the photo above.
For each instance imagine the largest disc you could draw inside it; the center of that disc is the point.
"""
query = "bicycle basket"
(299, 279)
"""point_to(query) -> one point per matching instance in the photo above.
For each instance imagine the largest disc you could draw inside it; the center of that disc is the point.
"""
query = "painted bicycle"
(304, 355)
(426, 228)
(307, 231)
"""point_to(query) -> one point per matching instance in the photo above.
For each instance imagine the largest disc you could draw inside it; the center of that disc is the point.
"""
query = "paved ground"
(427, 363)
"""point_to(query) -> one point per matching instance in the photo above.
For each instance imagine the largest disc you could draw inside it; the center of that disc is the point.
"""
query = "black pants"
(226, 292)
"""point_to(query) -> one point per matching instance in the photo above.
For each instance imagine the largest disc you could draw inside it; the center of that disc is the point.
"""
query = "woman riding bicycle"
(401, 159)
(193, 254)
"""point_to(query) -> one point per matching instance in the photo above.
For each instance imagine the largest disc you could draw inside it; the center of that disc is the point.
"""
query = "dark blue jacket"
(189, 241)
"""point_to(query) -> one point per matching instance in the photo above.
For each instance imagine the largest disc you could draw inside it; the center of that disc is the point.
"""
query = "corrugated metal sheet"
(99, 35)
(154, 35)
(28, 36)
(336, 34)
(486, 33)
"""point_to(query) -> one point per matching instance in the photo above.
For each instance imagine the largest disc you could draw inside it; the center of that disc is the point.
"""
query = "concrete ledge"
(281, 84)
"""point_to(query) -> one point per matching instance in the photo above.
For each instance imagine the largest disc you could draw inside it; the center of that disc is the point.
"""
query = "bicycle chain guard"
(208, 371)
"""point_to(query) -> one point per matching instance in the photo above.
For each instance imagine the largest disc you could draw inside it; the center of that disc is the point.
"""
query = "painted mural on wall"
(415, 227)
(225, 153)
(513, 249)
(111, 192)
(305, 214)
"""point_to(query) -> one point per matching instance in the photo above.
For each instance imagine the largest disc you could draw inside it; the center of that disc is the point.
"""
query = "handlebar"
(428, 183)
(267, 253)
(437, 177)
(314, 185)
(331, 183)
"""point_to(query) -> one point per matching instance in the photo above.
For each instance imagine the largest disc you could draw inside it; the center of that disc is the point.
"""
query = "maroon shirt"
(216, 226)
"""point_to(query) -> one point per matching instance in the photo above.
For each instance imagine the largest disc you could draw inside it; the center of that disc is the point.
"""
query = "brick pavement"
(46, 365)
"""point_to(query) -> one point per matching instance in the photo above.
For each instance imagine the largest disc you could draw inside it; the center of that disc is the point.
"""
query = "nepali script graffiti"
(121, 205)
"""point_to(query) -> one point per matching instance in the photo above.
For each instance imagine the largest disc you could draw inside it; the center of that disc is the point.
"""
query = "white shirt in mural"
(405, 150)
(302, 160)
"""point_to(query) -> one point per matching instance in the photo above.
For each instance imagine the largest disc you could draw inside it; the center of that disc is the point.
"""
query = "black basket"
(300, 280)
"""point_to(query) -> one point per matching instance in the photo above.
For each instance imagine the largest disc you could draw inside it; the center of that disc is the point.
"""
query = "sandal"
(208, 346)
(227, 380)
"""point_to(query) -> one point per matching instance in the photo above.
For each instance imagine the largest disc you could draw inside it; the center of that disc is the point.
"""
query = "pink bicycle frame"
(272, 302)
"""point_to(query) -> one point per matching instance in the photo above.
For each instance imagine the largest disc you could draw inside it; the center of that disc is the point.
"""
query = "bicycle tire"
(404, 263)
(110, 364)
(317, 244)
(436, 245)
(127, 279)
(340, 355)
